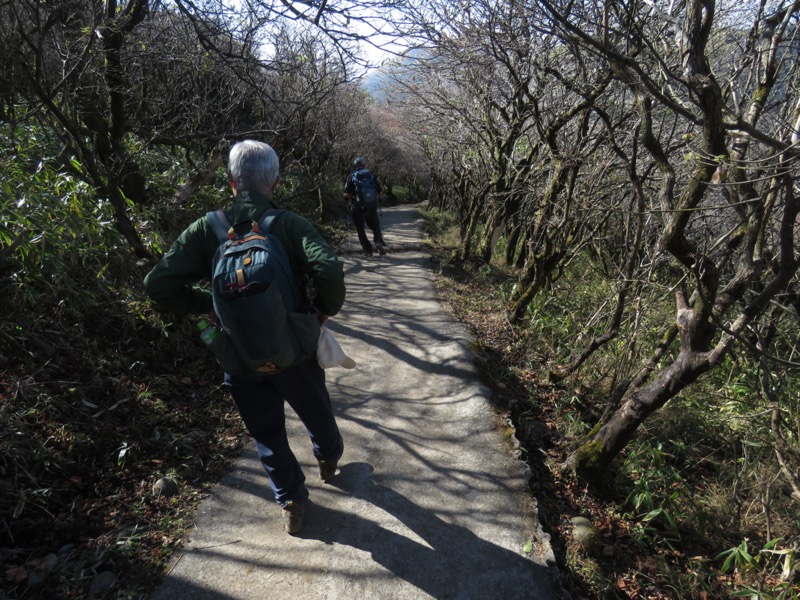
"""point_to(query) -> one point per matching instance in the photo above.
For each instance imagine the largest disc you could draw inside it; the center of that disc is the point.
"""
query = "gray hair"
(253, 166)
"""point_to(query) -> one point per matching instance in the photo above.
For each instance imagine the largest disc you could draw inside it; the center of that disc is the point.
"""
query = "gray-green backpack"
(267, 323)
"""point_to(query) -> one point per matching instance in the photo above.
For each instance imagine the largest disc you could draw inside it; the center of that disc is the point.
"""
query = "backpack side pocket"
(224, 351)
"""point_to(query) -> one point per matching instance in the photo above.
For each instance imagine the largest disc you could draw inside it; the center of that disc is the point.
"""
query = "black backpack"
(364, 184)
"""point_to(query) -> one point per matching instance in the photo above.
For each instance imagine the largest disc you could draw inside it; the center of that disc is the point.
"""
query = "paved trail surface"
(431, 499)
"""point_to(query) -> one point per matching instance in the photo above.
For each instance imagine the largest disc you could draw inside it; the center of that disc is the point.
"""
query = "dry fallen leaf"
(16, 574)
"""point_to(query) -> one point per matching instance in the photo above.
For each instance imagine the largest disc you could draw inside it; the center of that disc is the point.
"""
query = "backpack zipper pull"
(231, 233)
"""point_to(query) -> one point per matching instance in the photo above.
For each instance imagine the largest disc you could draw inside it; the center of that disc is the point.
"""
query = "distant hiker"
(362, 192)
(265, 239)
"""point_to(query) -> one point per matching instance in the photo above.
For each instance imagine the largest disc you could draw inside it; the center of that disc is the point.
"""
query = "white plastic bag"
(330, 353)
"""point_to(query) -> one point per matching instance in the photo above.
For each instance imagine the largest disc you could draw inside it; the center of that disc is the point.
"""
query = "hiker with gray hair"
(260, 233)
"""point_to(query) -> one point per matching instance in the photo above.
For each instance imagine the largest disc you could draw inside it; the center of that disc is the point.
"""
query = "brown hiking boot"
(293, 515)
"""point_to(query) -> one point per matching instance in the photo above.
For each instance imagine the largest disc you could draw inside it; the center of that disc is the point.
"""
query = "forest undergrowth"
(679, 515)
(91, 429)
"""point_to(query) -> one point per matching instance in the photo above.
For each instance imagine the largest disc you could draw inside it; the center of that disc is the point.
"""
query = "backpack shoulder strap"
(265, 224)
(219, 223)
(267, 220)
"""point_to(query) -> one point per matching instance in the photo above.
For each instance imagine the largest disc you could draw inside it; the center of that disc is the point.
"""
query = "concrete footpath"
(431, 499)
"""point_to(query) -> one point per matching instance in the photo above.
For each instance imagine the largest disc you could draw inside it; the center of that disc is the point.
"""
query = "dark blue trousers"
(261, 405)
(371, 218)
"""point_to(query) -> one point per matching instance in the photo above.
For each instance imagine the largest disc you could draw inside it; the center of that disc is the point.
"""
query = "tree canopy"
(630, 171)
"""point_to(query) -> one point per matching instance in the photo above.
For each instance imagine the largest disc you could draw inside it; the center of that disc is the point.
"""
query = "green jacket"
(171, 283)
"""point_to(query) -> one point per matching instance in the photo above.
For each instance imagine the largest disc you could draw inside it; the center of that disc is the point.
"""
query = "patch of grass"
(442, 226)
(586, 570)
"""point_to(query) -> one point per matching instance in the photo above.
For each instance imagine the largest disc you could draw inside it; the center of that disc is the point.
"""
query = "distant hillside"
(376, 83)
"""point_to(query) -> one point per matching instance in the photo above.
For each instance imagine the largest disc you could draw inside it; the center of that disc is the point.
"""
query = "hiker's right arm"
(171, 283)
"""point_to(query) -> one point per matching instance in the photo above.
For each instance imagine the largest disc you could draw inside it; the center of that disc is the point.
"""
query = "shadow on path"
(447, 562)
